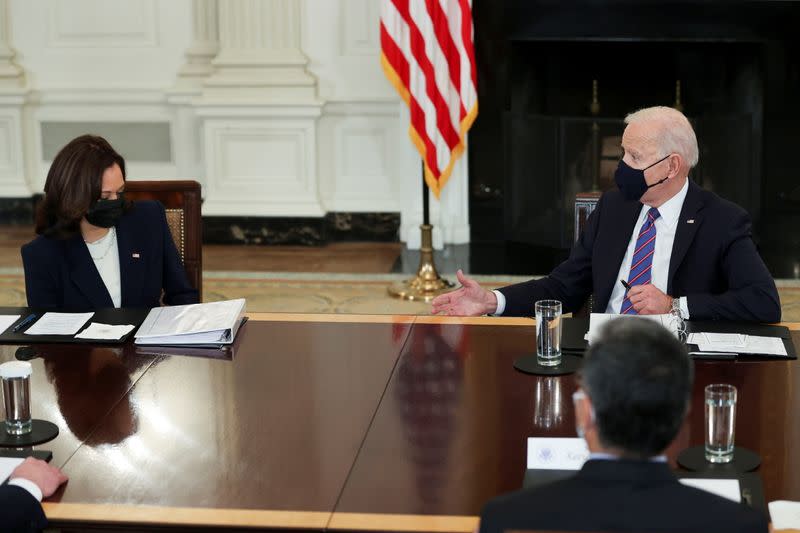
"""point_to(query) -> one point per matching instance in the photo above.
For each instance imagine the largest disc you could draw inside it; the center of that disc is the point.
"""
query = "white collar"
(671, 209)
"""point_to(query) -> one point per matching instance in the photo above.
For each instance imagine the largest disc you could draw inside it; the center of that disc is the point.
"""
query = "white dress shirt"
(666, 226)
(105, 255)
(28, 485)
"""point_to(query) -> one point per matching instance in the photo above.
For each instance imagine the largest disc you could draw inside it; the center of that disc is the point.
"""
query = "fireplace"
(556, 80)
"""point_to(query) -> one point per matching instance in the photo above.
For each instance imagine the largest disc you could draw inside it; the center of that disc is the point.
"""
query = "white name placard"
(557, 453)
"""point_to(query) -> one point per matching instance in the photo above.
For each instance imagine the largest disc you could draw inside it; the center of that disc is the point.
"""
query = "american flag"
(427, 53)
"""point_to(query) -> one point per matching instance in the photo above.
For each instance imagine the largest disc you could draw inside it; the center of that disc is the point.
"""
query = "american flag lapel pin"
(690, 221)
(135, 255)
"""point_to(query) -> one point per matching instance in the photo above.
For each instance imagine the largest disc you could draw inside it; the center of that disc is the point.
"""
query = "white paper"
(598, 320)
(7, 465)
(737, 343)
(59, 324)
(7, 320)
(784, 514)
(97, 330)
(767, 345)
(727, 488)
(557, 453)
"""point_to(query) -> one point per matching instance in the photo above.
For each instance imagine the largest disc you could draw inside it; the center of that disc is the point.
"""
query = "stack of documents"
(737, 343)
(598, 320)
(214, 323)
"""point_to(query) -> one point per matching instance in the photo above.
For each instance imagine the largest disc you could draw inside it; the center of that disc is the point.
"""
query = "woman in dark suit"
(95, 249)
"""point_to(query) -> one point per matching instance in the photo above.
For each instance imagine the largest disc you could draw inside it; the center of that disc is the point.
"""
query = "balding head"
(669, 130)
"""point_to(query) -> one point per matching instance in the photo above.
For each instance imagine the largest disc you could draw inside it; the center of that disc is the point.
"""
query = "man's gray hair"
(674, 132)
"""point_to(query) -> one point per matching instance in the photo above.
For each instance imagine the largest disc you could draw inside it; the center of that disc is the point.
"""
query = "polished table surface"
(341, 422)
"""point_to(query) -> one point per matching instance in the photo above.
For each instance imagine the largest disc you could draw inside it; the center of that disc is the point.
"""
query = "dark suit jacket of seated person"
(20, 511)
(60, 272)
(714, 263)
(699, 257)
(635, 389)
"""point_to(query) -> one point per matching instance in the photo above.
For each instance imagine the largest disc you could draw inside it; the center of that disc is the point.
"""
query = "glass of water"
(16, 379)
(720, 422)
(548, 332)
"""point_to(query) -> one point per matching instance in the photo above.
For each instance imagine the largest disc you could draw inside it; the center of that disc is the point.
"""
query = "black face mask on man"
(106, 213)
(631, 181)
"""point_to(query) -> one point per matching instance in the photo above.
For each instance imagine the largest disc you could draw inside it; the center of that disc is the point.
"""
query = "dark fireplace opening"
(539, 140)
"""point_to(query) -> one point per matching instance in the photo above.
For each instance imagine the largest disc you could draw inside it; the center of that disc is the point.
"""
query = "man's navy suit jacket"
(19, 511)
(60, 274)
(616, 496)
(714, 262)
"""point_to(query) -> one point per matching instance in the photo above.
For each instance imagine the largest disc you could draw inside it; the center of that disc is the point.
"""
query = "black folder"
(44, 455)
(104, 316)
(750, 485)
(760, 330)
(573, 331)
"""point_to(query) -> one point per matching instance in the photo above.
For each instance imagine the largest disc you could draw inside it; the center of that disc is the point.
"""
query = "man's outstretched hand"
(469, 300)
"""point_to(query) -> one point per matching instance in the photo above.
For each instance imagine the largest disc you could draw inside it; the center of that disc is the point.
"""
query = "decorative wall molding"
(260, 57)
(278, 107)
(203, 49)
(261, 167)
(360, 35)
(12, 76)
(357, 157)
(12, 165)
(129, 24)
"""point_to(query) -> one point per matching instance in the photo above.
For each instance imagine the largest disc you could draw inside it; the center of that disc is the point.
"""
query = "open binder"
(211, 324)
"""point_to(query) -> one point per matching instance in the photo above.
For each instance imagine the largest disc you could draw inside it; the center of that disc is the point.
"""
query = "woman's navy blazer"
(60, 273)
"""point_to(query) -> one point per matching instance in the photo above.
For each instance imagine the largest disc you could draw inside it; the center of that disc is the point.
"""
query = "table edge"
(415, 319)
(183, 516)
(403, 522)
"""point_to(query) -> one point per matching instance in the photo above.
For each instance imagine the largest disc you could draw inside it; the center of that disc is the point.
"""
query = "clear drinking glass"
(548, 332)
(16, 380)
(547, 407)
(720, 422)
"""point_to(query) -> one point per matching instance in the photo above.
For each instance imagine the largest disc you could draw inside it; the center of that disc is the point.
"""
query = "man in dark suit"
(676, 245)
(19, 498)
(635, 389)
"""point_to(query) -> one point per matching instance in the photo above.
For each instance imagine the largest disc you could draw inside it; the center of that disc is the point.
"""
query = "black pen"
(625, 284)
(713, 355)
(25, 321)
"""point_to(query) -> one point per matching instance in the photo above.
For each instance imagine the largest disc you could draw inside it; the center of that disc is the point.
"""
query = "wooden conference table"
(341, 422)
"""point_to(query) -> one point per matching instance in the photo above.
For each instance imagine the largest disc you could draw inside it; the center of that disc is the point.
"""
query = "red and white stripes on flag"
(427, 53)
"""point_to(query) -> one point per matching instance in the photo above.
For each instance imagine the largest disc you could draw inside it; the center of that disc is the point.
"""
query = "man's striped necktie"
(642, 261)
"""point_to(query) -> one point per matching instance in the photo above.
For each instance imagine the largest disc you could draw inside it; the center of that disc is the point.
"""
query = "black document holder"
(44, 455)
(750, 485)
(760, 330)
(574, 329)
(111, 316)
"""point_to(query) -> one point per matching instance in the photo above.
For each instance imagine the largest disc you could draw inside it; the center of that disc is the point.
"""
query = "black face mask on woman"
(631, 180)
(106, 213)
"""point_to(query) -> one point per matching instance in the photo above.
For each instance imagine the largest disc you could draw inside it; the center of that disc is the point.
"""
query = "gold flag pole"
(427, 284)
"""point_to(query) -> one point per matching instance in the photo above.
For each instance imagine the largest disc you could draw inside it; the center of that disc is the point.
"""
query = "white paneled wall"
(279, 107)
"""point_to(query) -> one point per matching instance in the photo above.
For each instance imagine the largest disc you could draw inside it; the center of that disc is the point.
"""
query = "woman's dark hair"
(73, 184)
